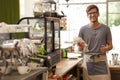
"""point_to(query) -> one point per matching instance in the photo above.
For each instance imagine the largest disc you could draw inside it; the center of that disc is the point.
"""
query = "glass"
(53, 34)
(46, 7)
(44, 31)
(90, 13)
(49, 5)
(38, 9)
(114, 7)
(114, 19)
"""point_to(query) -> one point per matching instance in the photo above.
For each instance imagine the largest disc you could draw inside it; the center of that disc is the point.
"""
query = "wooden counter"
(66, 65)
(114, 67)
(115, 72)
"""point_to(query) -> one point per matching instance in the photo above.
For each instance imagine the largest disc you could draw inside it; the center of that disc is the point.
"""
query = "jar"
(38, 9)
(49, 7)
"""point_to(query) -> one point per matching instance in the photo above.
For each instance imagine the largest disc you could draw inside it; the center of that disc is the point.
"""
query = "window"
(114, 22)
(114, 13)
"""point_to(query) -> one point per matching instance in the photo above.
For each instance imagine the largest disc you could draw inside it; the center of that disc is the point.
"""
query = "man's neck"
(95, 24)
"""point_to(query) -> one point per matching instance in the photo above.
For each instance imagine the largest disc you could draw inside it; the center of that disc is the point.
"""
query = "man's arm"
(105, 48)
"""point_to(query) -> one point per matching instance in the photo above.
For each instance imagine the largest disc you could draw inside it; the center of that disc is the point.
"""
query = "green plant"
(41, 50)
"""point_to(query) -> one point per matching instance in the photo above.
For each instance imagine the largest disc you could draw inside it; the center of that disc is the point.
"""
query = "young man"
(99, 40)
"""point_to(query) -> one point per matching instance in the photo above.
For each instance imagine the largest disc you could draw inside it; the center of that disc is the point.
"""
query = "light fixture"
(67, 2)
(49, 1)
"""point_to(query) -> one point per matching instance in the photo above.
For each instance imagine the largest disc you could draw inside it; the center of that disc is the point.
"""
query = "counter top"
(65, 65)
(29, 76)
(114, 67)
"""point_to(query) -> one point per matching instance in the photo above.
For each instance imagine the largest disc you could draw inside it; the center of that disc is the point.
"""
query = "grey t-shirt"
(95, 37)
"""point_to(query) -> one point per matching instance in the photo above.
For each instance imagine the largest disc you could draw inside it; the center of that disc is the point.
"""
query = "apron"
(95, 67)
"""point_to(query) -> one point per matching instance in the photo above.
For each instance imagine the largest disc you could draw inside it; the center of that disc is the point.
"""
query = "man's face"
(93, 15)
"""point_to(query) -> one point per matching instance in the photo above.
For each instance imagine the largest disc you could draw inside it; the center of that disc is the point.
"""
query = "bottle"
(64, 53)
(76, 48)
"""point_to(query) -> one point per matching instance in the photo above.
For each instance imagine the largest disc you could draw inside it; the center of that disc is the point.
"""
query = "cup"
(23, 69)
(34, 65)
(5, 70)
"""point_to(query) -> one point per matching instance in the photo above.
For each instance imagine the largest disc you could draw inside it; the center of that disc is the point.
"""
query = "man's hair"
(92, 7)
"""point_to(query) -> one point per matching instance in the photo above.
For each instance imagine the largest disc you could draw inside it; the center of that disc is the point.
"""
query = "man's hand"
(81, 44)
(104, 49)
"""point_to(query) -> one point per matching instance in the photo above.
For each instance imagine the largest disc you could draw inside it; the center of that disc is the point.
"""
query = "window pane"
(114, 19)
(114, 7)
(102, 10)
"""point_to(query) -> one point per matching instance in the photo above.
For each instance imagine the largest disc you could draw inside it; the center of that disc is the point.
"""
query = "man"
(99, 40)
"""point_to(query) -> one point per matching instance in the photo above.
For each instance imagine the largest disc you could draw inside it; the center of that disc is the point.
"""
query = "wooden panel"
(65, 65)
(63, 23)
(115, 75)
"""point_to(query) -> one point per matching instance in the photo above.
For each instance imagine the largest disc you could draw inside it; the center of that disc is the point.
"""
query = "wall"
(26, 8)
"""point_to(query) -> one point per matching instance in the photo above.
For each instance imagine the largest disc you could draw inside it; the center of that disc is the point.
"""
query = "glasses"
(90, 13)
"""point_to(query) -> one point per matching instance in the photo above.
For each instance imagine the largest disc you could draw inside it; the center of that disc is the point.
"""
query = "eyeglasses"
(89, 13)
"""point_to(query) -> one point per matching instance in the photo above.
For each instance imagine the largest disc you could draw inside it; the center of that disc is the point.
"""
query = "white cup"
(5, 70)
(23, 69)
(34, 65)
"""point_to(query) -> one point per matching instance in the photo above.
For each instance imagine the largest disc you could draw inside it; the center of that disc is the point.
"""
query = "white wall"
(116, 43)
(26, 8)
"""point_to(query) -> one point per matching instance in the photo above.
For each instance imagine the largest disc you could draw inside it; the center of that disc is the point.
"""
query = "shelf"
(53, 19)
(14, 28)
(30, 76)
